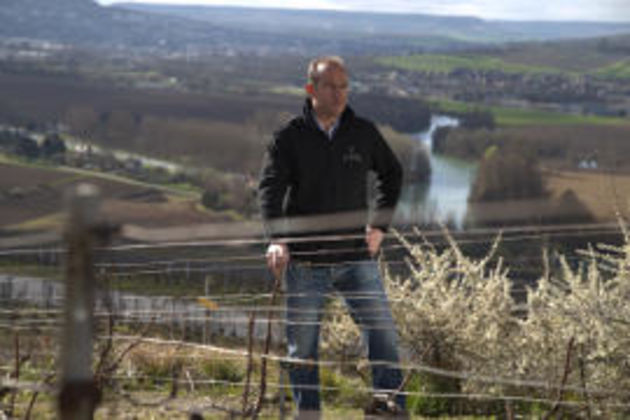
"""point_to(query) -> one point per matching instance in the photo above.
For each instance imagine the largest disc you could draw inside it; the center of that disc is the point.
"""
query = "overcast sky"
(590, 10)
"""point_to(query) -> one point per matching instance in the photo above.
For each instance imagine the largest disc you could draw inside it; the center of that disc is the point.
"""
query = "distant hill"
(84, 22)
(348, 24)
(228, 30)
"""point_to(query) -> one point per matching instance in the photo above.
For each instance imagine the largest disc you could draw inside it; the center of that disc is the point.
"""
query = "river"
(446, 197)
(27, 293)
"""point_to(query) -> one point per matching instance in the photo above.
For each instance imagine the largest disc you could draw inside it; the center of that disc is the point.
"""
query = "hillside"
(202, 31)
(575, 56)
(32, 198)
(587, 77)
(86, 23)
(377, 25)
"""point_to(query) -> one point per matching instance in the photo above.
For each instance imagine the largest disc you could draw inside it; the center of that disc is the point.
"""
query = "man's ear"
(309, 88)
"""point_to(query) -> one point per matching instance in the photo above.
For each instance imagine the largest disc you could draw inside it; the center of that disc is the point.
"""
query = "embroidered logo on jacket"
(351, 156)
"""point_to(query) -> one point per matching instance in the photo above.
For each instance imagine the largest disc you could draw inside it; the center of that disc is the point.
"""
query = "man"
(315, 176)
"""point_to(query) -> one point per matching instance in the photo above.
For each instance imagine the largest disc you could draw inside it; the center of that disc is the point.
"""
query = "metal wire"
(473, 377)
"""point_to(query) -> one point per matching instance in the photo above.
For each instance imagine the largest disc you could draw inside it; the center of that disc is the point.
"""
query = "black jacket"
(313, 187)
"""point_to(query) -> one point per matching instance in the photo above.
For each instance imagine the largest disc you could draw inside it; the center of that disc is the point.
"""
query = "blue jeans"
(361, 286)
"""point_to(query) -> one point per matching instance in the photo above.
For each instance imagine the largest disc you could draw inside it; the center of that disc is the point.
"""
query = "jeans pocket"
(299, 278)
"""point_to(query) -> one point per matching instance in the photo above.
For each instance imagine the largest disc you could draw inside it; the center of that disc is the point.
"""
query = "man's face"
(329, 95)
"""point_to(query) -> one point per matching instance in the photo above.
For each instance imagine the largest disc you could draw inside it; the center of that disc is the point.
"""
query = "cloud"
(590, 10)
(610, 10)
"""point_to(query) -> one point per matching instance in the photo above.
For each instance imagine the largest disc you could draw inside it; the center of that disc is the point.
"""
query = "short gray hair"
(318, 65)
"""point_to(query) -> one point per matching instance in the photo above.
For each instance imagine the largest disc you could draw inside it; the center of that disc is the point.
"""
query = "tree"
(211, 199)
(507, 175)
(27, 148)
(477, 119)
(53, 145)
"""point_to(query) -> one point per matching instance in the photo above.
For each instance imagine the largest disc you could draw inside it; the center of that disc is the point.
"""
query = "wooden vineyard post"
(79, 396)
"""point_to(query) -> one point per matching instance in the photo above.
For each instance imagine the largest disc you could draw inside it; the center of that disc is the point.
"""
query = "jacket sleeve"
(273, 186)
(389, 175)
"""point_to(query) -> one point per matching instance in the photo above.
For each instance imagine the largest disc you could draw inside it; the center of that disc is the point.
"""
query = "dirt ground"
(32, 197)
(604, 194)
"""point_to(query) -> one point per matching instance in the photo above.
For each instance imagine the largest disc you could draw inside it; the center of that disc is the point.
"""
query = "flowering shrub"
(565, 348)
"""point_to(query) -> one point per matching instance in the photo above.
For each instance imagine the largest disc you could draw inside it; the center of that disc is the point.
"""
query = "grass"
(48, 222)
(41, 187)
(148, 369)
(618, 70)
(77, 173)
(516, 117)
(340, 389)
(287, 90)
(505, 116)
(31, 270)
(158, 285)
(436, 63)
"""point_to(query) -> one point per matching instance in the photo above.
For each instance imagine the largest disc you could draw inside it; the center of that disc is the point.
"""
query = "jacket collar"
(309, 116)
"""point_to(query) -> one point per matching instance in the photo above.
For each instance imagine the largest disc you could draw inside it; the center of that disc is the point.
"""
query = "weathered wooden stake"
(79, 396)
(206, 322)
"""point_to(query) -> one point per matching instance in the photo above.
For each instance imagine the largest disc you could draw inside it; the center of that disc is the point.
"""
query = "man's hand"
(373, 238)
(277, 257)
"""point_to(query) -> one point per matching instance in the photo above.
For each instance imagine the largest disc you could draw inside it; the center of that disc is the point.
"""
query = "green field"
(447, 63)
(435, 63)
(521, 117)
(619, 70)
